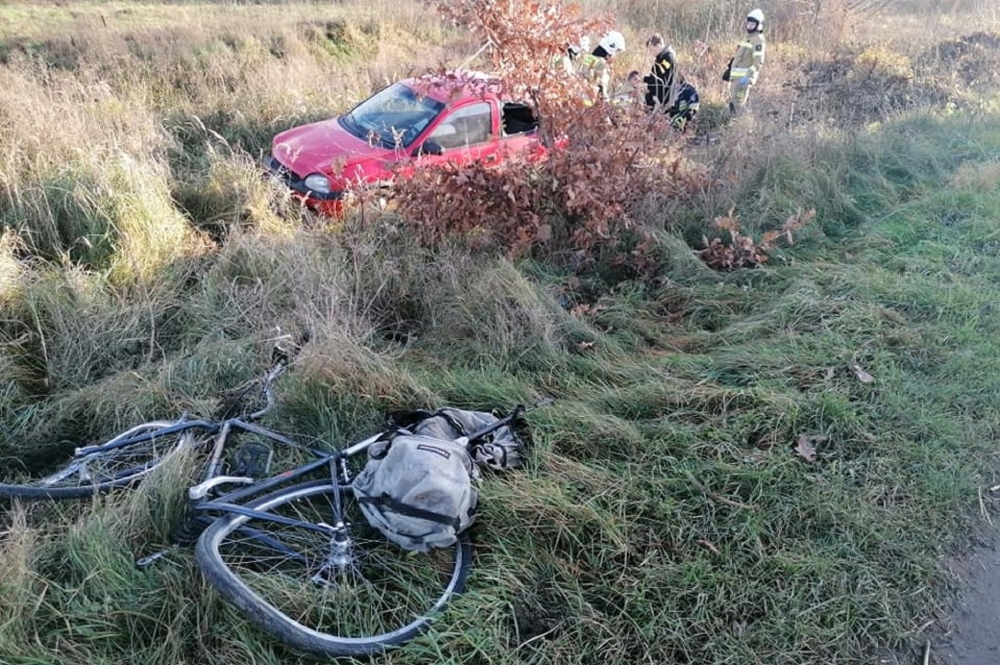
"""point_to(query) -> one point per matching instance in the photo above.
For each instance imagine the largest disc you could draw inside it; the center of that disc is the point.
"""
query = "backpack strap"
(410, 511)
(380, 447)
(405, 419)
(452, 420)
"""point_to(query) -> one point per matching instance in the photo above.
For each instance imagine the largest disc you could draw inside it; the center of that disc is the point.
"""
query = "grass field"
(665, 515)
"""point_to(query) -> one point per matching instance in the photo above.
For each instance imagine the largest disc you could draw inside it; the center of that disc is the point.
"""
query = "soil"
(967, 631)
(973, 622)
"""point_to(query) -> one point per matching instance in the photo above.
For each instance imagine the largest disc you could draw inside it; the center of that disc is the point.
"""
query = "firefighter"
(745, 66)
(685, 106)
(661, 80)
(595, 65)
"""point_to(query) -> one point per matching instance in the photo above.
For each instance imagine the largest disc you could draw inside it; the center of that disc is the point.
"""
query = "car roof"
(451, 85)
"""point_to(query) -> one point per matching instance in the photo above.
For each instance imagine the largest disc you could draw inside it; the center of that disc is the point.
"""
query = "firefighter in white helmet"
(745, 66)
(594, 65)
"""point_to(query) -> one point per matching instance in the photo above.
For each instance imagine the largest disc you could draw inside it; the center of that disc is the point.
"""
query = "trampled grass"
(664, 515)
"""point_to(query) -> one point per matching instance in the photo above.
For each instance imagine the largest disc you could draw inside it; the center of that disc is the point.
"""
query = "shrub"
(598, 155)
(742, 251)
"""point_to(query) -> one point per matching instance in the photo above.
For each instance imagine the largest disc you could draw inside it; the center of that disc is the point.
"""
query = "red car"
(458, 117)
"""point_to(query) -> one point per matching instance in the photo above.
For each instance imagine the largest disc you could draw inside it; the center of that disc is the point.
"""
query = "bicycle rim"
(305, 587)
(101, 471)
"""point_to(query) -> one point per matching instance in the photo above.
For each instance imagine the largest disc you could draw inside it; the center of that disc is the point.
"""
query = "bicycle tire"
(101, 471)
(323, 601)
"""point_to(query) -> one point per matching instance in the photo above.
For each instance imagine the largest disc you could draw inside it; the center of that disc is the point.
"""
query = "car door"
(465, 134)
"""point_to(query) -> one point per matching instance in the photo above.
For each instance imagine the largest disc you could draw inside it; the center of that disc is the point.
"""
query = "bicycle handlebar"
(268, 388)
(284, 349)
(508, 419)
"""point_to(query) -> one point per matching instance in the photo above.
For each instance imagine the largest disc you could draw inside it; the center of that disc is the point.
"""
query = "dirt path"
(967, 630)
(973, 623)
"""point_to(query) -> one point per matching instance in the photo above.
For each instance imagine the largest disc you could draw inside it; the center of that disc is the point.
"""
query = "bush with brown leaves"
(598, 155)
(742, 251)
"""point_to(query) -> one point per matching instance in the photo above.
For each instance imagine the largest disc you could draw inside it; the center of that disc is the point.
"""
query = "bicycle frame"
(297, 552)
(323, 458)
(306, 525)
(230, 502)
(339, 477)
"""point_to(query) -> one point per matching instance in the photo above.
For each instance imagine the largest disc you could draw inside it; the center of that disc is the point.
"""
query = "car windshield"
(393, 117)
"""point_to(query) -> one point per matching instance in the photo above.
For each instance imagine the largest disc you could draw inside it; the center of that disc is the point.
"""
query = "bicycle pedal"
(253, 459)
(187, 533)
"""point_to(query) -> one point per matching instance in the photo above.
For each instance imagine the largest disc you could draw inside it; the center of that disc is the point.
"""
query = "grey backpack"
(418, 486)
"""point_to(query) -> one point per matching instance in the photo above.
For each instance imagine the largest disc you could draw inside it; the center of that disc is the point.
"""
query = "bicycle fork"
(340, 557)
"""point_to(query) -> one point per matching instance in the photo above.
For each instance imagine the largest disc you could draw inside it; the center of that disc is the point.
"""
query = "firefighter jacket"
(660, 81)
(595, 69)
(749, 58)
(687, 102)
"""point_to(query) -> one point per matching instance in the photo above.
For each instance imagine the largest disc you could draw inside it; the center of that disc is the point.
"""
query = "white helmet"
(758, 16)
(613, 42)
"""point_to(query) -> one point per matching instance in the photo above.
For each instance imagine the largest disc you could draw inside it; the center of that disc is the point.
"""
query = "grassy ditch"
(665, 510)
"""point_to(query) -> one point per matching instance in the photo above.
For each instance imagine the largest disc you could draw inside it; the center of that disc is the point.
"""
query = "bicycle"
(297, 559)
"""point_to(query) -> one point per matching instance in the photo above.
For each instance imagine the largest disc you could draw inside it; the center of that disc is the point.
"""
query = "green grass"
(663, 515)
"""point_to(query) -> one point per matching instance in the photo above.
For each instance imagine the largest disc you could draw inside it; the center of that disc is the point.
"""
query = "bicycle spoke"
(116, 464)
(345, 581)
(132, 456)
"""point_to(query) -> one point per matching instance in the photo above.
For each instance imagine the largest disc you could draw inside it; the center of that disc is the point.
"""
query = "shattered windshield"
(392, 118)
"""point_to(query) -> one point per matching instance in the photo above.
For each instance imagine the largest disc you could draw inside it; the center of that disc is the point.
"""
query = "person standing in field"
(745, 66)
(595, 66)
(662, 78)
(666, 89)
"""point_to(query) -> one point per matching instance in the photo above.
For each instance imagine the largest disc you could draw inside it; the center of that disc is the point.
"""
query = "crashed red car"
(407, 125)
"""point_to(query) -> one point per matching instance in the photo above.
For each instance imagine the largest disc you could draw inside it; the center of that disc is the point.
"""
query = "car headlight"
(317, 182)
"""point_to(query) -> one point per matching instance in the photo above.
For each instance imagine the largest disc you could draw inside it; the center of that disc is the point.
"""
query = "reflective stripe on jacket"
(749, 58)
(595, 70)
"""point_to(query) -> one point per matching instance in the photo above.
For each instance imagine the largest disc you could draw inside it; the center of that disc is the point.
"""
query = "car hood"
(322, 147)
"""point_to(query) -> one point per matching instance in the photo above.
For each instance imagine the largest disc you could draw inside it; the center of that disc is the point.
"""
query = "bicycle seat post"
(220, 442)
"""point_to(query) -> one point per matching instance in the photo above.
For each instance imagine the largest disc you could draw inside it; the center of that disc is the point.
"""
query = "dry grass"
(19, 583)
(977, 176)
(144, 265)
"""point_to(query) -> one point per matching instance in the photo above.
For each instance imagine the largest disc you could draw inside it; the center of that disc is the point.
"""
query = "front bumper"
(296, 183)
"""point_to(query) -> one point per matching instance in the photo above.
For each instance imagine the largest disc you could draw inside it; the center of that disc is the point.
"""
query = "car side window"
(467, 126)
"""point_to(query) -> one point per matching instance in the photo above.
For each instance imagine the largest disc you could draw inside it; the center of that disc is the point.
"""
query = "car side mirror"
(428, 147)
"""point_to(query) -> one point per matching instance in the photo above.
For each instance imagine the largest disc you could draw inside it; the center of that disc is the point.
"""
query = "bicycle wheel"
(329, 591)
(102, 470)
